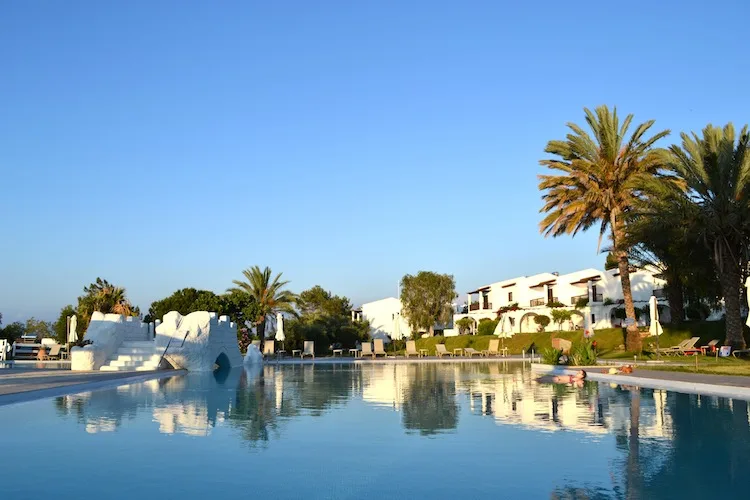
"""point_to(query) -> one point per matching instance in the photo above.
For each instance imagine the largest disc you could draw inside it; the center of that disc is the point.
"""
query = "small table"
(295, 351)
(281, 353)
(354, 352)
(423, 352)
(458, 351)
(504, 352)
(339, 351)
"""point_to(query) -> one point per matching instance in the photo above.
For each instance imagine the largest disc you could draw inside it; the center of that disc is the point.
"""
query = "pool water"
(480, 430)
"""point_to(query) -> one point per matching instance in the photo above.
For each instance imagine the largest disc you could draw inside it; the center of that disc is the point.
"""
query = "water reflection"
(661, 442)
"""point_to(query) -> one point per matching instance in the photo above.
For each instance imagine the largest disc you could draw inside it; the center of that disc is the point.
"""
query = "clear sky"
(165, 144)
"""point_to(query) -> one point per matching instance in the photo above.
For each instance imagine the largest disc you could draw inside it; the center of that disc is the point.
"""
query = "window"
(550, 294)
(593, 319)
(510, 296)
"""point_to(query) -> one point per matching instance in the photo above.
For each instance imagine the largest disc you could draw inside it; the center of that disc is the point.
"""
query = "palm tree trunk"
(676, 299)
(261, 329)
(730, 279)
(633, 337)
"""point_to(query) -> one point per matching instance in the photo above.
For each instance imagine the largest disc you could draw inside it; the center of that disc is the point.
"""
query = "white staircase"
(134, 355)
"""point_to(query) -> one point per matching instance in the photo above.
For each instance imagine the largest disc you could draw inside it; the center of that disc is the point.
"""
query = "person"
(625, 370)
(579, 376)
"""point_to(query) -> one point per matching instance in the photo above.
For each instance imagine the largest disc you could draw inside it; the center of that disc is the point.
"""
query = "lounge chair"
(380, 348)
(268, 349)
(54, 352)
(681, 348)
(411, 349)
(366, 350)
(710, 347)
(308, 349)
(493, 349)
(470, 351)
(441, 351)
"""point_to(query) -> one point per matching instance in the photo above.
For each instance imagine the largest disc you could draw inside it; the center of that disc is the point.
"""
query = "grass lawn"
(710, 366)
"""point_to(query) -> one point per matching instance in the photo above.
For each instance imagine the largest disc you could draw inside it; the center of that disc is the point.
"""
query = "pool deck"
(728, 386)
(18, 385)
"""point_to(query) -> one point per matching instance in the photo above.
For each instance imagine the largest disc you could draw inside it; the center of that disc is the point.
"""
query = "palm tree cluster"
(685, 208)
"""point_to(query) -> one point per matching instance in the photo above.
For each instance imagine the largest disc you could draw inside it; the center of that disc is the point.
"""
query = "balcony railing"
(574, 300)
(487, 305)
(537, 302)
(474, 306)
(598, 297)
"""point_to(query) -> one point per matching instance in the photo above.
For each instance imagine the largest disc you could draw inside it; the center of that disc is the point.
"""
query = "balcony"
(598, 297)
(537, 302)
(474, 306)
(487, 305)
(574, 300)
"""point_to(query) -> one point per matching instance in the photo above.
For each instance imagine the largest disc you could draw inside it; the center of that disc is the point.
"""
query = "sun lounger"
(308, 349)
(493, 348)
(379, 348)
(441, 351)
(470, 351)
(411, 349)
(710, 347)
(268, 349)
(366, 350)
(54, 352)
(685, 345)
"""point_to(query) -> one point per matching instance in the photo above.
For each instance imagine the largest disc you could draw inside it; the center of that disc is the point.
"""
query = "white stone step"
(139, 368)
(124, 351)
(135, 357)
(138, 343)
(126, 362)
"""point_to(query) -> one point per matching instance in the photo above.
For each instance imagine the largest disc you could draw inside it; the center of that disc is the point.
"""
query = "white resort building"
(388, 322)
(587, 292)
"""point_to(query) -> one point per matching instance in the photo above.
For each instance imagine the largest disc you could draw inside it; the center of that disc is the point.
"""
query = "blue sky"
(168, 144)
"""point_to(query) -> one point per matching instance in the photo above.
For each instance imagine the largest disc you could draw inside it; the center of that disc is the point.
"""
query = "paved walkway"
(398, 359)
(17, 384)
(696, 378)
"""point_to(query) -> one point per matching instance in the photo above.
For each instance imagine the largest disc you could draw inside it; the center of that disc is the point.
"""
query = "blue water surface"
(480, 430)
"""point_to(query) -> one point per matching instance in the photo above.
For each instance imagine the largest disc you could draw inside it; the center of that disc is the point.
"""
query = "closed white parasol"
(655, 327)
(280, 327)
(503, 329)
(72, 335)
(588, 328)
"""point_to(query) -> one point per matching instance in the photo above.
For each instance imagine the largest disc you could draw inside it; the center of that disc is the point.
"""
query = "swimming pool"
(480, 430)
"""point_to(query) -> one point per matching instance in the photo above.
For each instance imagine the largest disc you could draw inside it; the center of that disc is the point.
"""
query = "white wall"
(382, 315)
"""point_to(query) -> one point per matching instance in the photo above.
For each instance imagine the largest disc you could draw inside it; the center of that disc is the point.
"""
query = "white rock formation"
(106, 331)
(253, 355)
(199, 341)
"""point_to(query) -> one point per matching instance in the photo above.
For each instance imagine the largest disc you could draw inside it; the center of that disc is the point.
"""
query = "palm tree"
(715, 169)
(598, 184)
(268, 294)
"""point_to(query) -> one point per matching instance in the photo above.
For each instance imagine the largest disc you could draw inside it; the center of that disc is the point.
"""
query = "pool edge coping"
(700, 388)
(63, 390)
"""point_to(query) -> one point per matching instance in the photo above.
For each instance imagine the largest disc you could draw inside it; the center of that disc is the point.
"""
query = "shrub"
(486, 326)
(559, 316)
(582, 302)
(464, 325)
(550, 356)
(554, 304)
(582, 354)
(608, 301)
(510, 308)
(542, 322)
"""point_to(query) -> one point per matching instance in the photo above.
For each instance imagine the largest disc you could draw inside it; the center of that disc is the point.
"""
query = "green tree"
(42, 329)
(317, 302)
(559, 316)
(12, 331)
(104, 297)
(268, 293)
(714, 170)
(465, 325)
(599, 181)
(61, 325)
(426, 300)
(541, 321)
(184, 301)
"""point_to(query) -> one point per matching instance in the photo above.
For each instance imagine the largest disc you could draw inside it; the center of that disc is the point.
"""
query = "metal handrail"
(167, 348)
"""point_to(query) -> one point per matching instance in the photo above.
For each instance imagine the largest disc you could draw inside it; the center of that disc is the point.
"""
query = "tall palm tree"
(597, 184)
(715, 169)
(268, 294)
